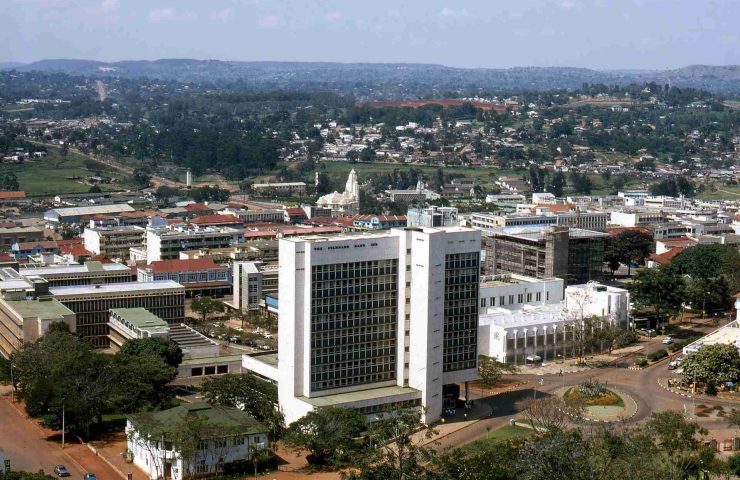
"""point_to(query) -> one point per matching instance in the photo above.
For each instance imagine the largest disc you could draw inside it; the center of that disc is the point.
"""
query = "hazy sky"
(466, 33)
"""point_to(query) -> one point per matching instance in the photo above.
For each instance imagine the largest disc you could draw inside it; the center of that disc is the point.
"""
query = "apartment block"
(113, 242)
(166, 243)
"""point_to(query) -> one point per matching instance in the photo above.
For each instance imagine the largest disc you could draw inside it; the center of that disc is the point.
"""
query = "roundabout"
(592, 401)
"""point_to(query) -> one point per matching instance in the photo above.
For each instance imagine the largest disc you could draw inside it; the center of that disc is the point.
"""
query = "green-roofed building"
(131, 323)
(25, 320)
(229, 435)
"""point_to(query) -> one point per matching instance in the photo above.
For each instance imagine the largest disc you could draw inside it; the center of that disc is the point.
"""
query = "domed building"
(346, 203)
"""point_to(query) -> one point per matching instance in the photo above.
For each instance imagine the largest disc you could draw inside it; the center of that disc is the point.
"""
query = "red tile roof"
(683, 242)
(666, 258)
(260, 234)
(8, 195)
(556, 208)
(7, 224)
(69, 242)
(77, 250)
(188, 265)
(297, 211)
(101, 259)
(198, 207)
(216, 220)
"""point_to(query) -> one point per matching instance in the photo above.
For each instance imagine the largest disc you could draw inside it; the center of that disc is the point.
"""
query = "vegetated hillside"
(386, 80)
(717, 78)
(390, 80)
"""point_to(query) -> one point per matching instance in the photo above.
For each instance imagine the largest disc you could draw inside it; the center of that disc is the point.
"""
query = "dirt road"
(100, 87)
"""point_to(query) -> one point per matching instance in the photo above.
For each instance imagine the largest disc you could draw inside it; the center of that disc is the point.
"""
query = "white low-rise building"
(547, 332)
(514, 291)
(239, 437)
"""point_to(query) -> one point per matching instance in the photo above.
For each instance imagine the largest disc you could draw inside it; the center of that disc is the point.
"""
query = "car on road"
(90, 476)
(667, 340)
(61, 471)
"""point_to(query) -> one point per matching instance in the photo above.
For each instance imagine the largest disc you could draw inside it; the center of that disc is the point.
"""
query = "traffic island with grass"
(599, 403)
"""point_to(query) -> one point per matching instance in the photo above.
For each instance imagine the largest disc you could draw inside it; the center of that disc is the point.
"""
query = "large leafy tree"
(673, 433)
(709, 295)
(629, 246)
(206, 307)
(709, 261)
(491, 370)
(330, 435)
(169, 351)
(253, 395)
(713, 365)
(398, 452)
(660, 289)
(62, 373)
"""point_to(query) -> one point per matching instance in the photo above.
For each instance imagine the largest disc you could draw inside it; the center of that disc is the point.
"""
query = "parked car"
(61, 471)
(90, 476)
(674, 364)
(667, 340)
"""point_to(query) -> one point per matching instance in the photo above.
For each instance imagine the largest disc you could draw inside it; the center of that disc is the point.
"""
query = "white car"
(667, 340)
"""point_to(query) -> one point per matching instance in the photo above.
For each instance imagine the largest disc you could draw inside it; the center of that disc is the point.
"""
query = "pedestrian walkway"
(111, 449)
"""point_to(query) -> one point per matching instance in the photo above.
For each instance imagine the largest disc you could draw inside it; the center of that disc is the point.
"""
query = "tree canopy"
(255, 396)
(330, 435)
(61, 371)
(659, 289)
(713, 365)
(169, 351)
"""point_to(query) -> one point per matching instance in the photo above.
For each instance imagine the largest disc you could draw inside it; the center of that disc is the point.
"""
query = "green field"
(722, 192)
(49, 175)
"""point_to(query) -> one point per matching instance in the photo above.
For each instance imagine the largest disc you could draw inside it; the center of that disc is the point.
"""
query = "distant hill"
(10, 65)
(363, 78)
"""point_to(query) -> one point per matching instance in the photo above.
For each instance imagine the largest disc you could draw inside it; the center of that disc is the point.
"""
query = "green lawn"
(49, 175)
(502, 434)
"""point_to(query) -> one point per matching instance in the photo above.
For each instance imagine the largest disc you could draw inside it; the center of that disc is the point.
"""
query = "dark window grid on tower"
(353, 323)
(462, 275)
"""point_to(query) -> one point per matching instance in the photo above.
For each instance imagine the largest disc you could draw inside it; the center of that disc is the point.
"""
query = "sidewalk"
(111, 448)
(571, 365)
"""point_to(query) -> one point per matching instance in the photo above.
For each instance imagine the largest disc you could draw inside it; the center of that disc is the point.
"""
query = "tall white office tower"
(376, 321)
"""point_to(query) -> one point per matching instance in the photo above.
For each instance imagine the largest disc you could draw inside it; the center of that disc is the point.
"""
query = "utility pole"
(63, 426)
(12, 383)
(164, 459)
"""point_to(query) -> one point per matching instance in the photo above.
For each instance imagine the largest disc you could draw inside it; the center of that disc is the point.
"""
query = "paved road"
(31, 448)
